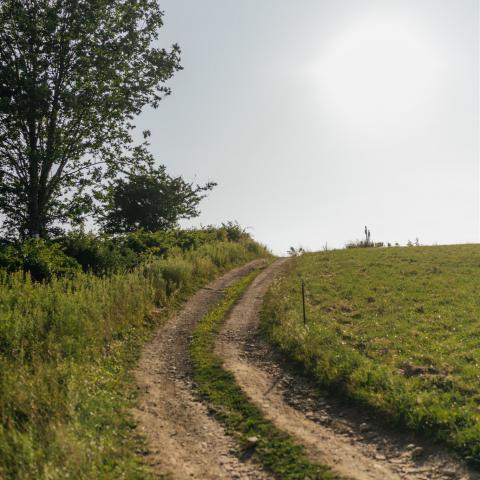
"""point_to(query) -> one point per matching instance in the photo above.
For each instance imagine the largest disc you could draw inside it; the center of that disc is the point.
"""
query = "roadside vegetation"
(76, 307)
(394, 329)
(241, 418)
(67, 346)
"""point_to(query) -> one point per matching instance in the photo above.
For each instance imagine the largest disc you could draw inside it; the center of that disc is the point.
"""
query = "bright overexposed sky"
(317, 117)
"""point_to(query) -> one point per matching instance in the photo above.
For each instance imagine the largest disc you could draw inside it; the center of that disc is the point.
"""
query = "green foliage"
(233, 231)
(42, 260)
(161, 242)
(103, 254)
(150, 200)
(67, 347)
(100, 255)
(242, 419)
(394, 329)
(73, 75)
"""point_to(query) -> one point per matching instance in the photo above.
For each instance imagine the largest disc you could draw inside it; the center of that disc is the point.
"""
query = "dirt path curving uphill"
(345, 438)
(182, 439)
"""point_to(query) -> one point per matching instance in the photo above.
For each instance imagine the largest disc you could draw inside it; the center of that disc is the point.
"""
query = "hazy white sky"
(317, 117)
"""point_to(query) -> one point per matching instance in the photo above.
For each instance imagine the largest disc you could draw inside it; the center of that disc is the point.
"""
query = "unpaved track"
(182, 439)
(345, 438)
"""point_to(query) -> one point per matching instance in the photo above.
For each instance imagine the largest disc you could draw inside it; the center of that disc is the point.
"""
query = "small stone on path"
(417, 452)
(364, 427)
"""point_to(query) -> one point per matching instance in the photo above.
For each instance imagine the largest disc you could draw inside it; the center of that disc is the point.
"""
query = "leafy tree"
(150, 200)
(73, 75)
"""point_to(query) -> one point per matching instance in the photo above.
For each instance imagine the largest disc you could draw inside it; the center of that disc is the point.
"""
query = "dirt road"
(183, 440)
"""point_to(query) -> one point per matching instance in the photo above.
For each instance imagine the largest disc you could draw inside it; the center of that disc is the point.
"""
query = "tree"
(150, 200)
(73, 75)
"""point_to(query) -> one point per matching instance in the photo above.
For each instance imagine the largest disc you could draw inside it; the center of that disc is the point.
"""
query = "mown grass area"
(66, 352)
(241, 418)
(397, 329)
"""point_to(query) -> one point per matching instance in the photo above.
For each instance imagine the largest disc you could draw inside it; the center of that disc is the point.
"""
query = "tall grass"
(66, 352)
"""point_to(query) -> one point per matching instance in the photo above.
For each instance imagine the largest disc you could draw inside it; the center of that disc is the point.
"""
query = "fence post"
(303, 303)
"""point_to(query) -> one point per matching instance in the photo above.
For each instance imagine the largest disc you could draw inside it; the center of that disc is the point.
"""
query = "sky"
(318, 117)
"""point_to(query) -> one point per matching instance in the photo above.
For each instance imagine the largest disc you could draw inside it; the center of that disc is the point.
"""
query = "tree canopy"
(73, 75)
(150, 200)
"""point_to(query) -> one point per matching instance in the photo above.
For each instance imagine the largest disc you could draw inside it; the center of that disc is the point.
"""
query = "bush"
(43, 260)
(109, 254)
(106, 255)
(99, 255)
(234, 232)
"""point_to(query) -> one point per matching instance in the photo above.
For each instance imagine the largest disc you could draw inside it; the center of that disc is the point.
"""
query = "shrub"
(99, 255)
(234, 232)
(109, 254)
(106, 255)
(43, 260)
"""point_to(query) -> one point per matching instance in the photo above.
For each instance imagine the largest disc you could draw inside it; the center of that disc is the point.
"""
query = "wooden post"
(303, 303)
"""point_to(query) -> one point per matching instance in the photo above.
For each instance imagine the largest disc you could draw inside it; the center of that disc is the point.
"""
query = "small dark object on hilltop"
(367, 243)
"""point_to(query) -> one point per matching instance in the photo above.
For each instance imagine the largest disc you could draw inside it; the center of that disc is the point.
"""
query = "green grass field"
(395, 328)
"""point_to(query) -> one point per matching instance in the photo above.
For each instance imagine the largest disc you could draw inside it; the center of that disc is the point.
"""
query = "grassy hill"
(395, 328)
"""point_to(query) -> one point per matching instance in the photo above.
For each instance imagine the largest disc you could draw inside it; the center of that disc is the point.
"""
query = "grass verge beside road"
(396, 329)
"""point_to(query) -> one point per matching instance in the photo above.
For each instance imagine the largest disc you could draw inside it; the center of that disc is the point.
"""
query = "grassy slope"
(397, 329)
(66, 352)
(242, 419)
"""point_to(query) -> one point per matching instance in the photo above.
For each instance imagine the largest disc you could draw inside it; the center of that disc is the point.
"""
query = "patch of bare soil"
(183, 440)
(351, 441)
